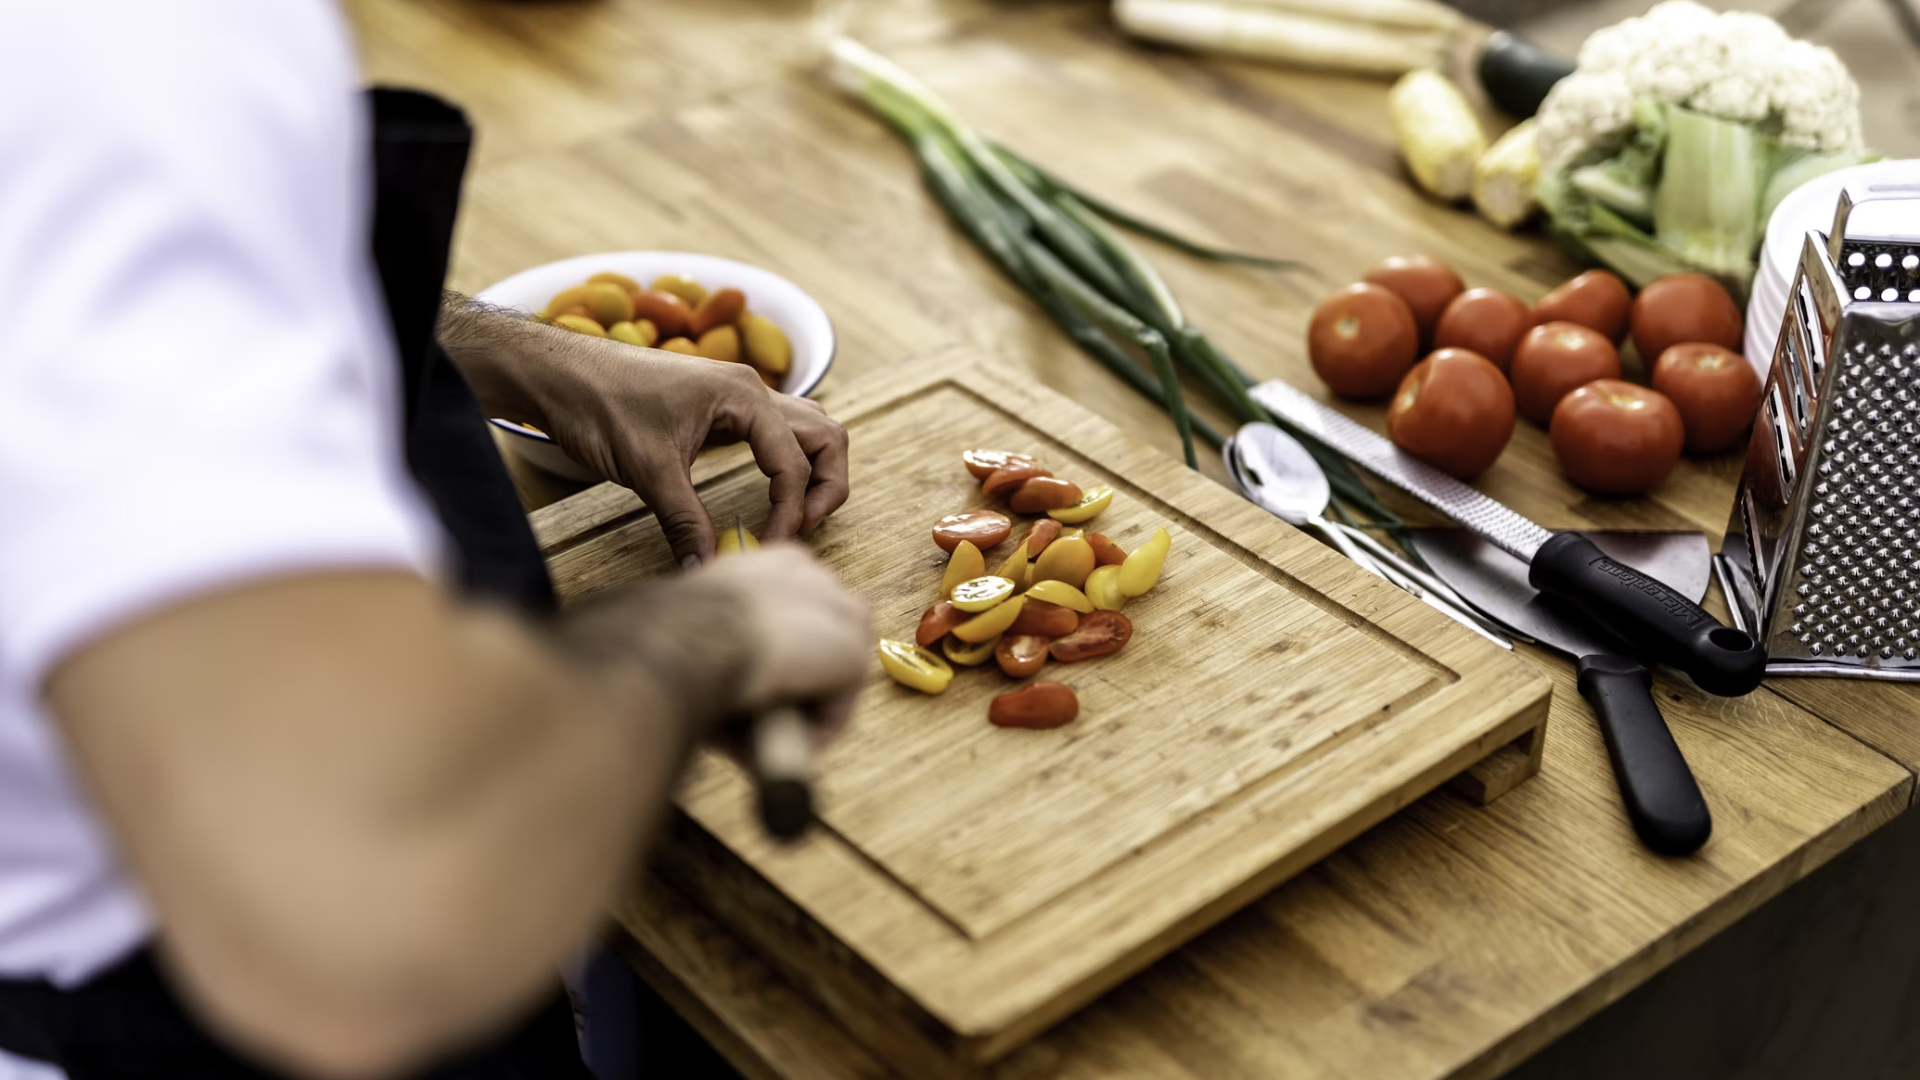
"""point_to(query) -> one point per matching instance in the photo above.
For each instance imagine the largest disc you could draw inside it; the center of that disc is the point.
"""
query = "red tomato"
(1044, 493)
(1454, 410)
(1036, 705)
(1044, 532)
(937, 622)
(1715, 390)
(1361, 340)
(1100, 633)
(982, 463)
(1486, 321)
(1556, 359)
(1679, 308)
(1010, 478)
(1597, 300)
(1105, 551)
(1617, 438)
(1020, 655)
(1041, 619)
(1425, 283)
(984, 527)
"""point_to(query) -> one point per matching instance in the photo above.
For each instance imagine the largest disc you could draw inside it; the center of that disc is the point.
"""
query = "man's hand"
(639, 417)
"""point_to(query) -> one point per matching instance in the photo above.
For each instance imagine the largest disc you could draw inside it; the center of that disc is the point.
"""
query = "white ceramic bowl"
(769, 294)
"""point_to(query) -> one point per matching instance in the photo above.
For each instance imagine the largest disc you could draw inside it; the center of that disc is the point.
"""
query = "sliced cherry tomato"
(991, 623)
(1068, 559)
(937, 622)
(1105, 551)
(1041, 619)
(969, 653)
(1486, 321)
(1142, 569)
(1454, 410)
(982, 528)
(1100, 633)
(1044, 532)
(1091, 504)
(982, 463)
(1715, 390)
(1010, 478)
(1021, 655)
(1554, 360)
(1017, 569)
(1038, 705)
(1424, 282)
(1679, 308)
(1103, 588)
(1597, 300)
(1617, 438)
(1043, 493)
(982, 593)
(1361, 340)
(913, 666)
(1061, 593)
(966, 564)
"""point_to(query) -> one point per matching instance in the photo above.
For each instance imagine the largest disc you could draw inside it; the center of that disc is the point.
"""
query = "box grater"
(1822, 555)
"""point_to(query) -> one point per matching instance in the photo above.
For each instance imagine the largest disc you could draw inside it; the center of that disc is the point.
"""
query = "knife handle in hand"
(781, 756)
(1651, 617)
(1661, 794)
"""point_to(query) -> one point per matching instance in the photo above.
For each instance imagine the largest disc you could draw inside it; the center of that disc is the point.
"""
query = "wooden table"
(1452, 941)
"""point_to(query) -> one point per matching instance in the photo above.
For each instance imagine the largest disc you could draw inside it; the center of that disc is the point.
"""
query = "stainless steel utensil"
(1277, 474)
(1662, 798)
(1669, 626)
(1819, 560)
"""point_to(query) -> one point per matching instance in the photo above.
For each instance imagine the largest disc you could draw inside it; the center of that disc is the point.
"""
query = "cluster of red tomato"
(1058, 595)
(1489, 355)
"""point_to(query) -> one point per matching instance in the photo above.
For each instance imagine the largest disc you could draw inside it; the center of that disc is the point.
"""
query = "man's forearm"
(505, 356)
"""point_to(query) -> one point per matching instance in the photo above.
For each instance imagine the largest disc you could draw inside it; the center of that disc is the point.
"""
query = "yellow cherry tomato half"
(731, 542)
(1141, 571)
(1059, 592)
(1016, 569)
(981, 593)
(1103, 588)
(965, 564)
(992, 623)
(914, 667)
(1068, 559)
(1096, 499)
(970, 654)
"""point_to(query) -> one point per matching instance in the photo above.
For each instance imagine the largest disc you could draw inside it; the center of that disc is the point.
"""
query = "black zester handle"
(1662, 797)
(1648, 615)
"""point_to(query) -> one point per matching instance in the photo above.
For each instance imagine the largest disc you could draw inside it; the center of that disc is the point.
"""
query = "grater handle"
(1648, 615)
(1662, 797)
(1853, 195)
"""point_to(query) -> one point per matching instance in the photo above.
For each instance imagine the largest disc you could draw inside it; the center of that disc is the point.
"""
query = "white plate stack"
(1810, 207)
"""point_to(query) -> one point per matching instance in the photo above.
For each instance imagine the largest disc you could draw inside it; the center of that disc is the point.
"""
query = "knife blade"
(1662, 798)
(1671, 627)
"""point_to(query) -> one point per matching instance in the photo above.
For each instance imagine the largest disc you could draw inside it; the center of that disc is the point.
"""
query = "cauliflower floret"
(1743, 71)
(1586, 111)
(1818, 101)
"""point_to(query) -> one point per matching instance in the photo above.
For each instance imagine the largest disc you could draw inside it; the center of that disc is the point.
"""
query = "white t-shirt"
(196, 378)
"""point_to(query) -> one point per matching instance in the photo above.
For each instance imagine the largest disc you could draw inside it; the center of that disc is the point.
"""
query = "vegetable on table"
(1099, 634)
(1715, 390)
(735, 541)
(969, 653)
(1361, 340)
(1597, 299)
(981, 594)
(1142, 569)
(1680, 308)
(1425, 283)
(1505, 176)
(1437, 133)
(1037, 705)
(1517, 74)
(982, 464)
(1054, 591)
(1105, 551)
(991, 623)
(1486, 321)
(1454, 410)
(937, 622)
(1374, 37)
(1679, 132)
(1044, 493)
(1554, 360)
(1617, 438)
(982, 528)
(1103, 588)
(1042, 619)
(913, 666)
(965, 564)
(1089, 507)
(1021, 656)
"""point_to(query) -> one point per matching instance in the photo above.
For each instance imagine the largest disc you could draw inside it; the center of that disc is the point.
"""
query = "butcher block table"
(1453, 939)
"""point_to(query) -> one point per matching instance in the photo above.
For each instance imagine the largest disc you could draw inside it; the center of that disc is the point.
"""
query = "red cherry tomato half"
(1553, 361)
(937, 622)
(1044, 493)
(1038, 618)
(982, 463)
(1010, 478)
(1715, 390)
(1424, 282)
(1361, 340)
(1044, 532)
(1679, 308)
(1021, 656)
(1105, 551)
(1454, 410)
(1100, 633)
(1486, 321)
(984, 527)
(1617, 438)
(1597, 300)
(1037, 705)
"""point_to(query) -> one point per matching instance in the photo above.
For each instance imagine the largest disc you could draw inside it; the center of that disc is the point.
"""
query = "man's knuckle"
(680, 525)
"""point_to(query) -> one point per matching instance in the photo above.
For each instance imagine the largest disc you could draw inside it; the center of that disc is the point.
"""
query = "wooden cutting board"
(968, 885)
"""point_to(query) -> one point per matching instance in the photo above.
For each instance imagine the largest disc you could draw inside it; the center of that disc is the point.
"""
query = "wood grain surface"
(1449, 941)
(1258, 719)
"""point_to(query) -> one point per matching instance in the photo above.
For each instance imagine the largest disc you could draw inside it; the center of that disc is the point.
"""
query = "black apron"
(126, 1023)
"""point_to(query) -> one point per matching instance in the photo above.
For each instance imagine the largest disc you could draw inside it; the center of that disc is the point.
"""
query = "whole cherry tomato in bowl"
(1617, 438)
(1454, 410)
(1361, 340)
(1486, 321)
(1679, 308)
(1555, 359)
(1424, 282)
(1597, 300)
(1715, 390)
